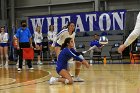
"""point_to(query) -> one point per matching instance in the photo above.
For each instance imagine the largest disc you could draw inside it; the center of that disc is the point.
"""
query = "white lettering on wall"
(118, 19)
(108, 22)
(64, 22)
(79, 24)
(49, 22)
(90, 18)
(55, 23)
(37, 22)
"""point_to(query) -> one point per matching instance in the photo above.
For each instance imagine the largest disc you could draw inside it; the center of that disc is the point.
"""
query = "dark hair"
(23, 21)
(67, 40)
(50, 27)
(69, 25)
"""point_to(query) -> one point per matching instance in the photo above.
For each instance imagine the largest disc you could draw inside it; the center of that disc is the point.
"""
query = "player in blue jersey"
(66, 54)
(59, 40)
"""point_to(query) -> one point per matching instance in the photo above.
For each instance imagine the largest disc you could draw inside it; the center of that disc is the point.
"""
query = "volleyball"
(103, 40)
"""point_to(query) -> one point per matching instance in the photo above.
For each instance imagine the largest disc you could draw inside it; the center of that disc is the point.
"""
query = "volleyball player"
(51, 36)
(59, 40)
(4, 45)
(67, 53)
(38, 44)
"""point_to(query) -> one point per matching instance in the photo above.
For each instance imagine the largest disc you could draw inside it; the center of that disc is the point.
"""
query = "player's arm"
(78, 58)
(132, 37)
(60, 34)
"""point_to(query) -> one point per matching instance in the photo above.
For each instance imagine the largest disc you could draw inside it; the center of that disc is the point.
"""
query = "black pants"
(24, 45)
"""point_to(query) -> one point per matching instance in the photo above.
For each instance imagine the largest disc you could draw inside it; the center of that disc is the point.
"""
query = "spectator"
(4, 45)
(51, 36)
(38, 44)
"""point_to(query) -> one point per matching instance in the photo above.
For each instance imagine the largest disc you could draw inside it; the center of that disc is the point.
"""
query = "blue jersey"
(23, 34)
(95, 43)
(65, 55)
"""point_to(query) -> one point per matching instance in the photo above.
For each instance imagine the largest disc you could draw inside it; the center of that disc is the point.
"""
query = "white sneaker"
(39, 63)
(31, 68)
(17, 64)
(19, 69)
(52, 80)
(6, 64)
(78, 79)
(90, 61)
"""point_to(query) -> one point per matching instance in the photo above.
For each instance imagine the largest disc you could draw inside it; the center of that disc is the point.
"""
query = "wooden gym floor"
(99, 78)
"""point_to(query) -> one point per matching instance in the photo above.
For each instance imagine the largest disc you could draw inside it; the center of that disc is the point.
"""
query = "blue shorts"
(3, 44)
(50, 42)
(58, 69)
(40, 44)
(57, 45)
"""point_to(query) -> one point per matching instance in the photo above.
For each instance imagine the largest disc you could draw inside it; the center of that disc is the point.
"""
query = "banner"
(89, 21)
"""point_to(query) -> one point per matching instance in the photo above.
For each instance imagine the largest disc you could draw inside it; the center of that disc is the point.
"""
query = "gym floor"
(99, 78)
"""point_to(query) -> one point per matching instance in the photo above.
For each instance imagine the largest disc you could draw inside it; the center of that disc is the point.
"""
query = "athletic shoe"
(90, 61)
(52, 80)
(19, 69)
(39, 63)
(31, 68)
(6, 64)
(78, 79)
(17, 64)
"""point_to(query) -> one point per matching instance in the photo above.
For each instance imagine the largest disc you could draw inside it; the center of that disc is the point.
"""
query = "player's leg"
(57, 50)
(6, 54)
(66, 78)
(1, 54)
(77, 72)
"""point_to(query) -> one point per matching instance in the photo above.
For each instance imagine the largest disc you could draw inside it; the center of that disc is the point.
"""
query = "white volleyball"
(103, 40)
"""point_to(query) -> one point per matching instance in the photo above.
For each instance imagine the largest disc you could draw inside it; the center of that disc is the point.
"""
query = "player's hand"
(84, 62)
(121, 48)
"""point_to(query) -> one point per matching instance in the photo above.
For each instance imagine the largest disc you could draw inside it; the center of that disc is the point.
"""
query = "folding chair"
(135, 54)
(97, 56)
(114, 55)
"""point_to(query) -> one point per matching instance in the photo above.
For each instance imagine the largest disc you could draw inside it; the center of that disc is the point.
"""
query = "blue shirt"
(23, 35)
(65, 55)
(95, 43)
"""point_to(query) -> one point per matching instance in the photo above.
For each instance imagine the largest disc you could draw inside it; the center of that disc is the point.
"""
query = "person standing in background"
(38, 43)
(24, 40)
(51, 36)
(4, 45)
